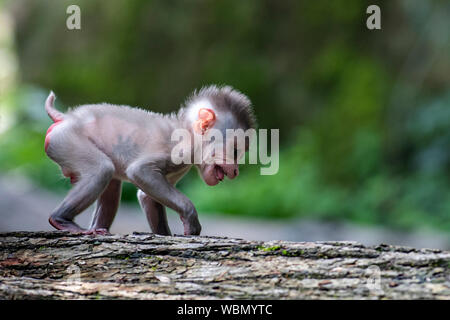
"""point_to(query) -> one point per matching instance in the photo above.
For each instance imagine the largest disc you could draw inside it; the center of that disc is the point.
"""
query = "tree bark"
(60, 265)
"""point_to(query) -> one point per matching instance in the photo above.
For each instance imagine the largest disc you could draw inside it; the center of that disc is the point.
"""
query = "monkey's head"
(211, 113)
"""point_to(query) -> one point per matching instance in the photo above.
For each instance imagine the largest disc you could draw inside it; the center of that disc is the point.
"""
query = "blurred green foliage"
(364, 116)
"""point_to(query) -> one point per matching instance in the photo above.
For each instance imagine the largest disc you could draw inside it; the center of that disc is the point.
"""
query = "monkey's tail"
(54, 114)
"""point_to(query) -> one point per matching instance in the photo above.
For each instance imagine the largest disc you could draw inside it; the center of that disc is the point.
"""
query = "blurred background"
(364, 115)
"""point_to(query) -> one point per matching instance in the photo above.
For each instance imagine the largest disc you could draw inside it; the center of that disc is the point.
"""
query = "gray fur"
(225, 98)
(100, 145)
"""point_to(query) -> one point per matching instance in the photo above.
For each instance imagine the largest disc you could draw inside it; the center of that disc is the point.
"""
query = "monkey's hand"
(191, 225)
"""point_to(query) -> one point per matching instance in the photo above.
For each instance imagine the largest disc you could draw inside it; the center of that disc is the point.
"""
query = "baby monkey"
(99, 146)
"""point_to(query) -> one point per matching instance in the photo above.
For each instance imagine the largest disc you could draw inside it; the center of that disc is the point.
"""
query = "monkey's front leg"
(156, 214)
(154, 184)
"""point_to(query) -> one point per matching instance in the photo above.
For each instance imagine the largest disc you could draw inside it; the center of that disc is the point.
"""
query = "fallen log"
(60, 265)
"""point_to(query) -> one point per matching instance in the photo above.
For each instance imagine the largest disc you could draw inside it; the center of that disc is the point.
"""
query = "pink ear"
(206, 114)
(206, 120)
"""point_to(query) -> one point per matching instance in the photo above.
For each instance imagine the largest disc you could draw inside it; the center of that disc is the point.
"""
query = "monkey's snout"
(231, 172)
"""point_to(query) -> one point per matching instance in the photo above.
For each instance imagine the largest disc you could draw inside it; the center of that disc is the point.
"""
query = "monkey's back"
(122, 132)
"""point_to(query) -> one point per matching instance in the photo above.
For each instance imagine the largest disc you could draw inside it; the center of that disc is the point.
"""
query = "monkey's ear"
(206, 120)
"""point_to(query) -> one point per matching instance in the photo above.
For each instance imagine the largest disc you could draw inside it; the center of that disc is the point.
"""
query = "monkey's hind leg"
(95, 171)
(156, 214)
(106, 208)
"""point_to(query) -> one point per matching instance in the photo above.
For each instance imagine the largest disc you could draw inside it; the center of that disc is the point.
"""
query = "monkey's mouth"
(219, 172)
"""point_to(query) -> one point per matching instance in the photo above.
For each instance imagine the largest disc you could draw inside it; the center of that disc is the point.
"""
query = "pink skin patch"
(71, 175)
(206, 119)
(47, 137)
(73, 178)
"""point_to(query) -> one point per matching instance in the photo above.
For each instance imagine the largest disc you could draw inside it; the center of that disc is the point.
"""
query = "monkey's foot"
(97, 231)
(65, 225)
